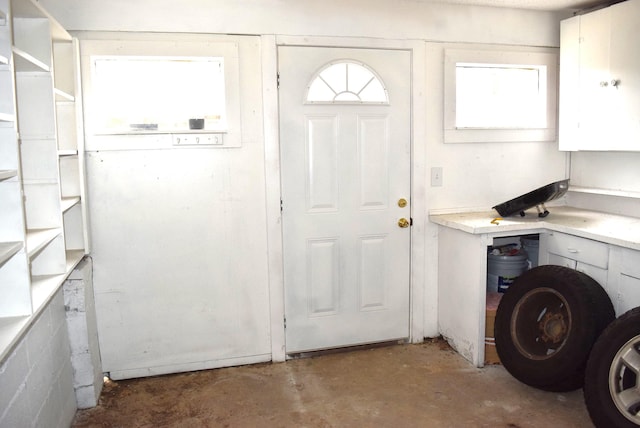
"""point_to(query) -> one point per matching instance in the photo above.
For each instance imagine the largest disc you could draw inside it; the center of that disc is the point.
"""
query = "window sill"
(161, 132)
(499, 135)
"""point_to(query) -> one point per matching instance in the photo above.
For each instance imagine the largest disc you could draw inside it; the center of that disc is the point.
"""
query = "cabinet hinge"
(285, 322)
(410, 221)
(278, 81)
(280, 205)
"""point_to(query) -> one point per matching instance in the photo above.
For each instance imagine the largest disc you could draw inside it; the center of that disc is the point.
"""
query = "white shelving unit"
(43, 218)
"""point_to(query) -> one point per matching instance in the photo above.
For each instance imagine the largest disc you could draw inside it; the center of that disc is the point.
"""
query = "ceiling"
(550, 5)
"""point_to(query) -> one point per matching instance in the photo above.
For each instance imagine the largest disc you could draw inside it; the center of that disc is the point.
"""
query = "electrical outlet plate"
(197, 139)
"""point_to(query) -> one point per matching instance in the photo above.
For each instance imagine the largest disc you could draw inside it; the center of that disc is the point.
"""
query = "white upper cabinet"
(600, 80)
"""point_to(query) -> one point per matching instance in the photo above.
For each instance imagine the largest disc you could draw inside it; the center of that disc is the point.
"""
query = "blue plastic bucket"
(502, 270)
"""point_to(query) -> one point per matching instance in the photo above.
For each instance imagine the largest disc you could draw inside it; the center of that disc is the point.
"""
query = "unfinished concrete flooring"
(425, 385)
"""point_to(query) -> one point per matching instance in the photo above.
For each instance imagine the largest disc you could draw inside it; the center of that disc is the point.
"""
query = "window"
(346, 82)
(136, 93)
(144, 90)
(500, 96)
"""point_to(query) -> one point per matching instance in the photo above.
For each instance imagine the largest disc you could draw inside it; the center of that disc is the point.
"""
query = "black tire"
(612, 372)
(546, 325)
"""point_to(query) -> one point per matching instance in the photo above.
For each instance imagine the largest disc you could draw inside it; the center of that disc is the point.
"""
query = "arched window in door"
(346, 82)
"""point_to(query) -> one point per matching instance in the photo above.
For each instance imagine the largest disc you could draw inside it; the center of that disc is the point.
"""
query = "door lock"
(403, 222)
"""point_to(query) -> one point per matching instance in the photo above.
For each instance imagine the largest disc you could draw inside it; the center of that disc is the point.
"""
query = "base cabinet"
(585, 255)
(616, 269)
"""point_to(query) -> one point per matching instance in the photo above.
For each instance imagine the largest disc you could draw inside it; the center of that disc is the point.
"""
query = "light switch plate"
(436, 176)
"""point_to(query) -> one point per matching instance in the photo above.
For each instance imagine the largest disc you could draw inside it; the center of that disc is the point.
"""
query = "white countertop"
(612, 229)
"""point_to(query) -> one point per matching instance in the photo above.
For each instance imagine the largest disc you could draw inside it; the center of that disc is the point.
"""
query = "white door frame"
(423, 309)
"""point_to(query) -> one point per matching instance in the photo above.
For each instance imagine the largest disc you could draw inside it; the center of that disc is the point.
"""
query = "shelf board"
(31, 9)
(11, 329)
(37, 239)
(43, 287)
(70, 202)
(27, 9)
(24, 61)
(73, 258)
(38, 181)
(67, 152)
(605, 192)
(8, 250)
(4, 60)
(7, 173)
(5, 117)
(3, 18)
(62, 95)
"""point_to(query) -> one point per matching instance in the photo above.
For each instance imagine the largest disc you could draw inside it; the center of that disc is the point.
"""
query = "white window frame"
(318, 76)
(452, 134)
(221, 126)
(98, 139)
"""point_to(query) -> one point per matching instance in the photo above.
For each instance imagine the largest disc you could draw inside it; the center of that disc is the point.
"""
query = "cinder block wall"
(83, 335)
(36, 379)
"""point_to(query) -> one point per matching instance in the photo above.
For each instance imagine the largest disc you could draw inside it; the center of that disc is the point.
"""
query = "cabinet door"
(569, 107)
(594, 79)
(628, 295)
(624, 77)
(624, 276)
(599, 274)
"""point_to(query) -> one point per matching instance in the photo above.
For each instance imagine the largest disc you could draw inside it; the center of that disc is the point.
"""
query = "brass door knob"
(402, 202)
(403, 222)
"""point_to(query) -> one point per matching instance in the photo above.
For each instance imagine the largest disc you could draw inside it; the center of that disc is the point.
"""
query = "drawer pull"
(572, 250)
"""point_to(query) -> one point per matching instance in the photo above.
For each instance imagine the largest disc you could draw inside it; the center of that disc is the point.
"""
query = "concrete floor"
(425, 385)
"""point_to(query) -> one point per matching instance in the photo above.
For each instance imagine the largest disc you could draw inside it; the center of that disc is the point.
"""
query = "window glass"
(158, 93)
(346, 82)
(500, 96)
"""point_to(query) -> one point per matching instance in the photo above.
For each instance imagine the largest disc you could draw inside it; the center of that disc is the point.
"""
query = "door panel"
(322, 163)
(344, 168)
(323, 261)
(372, 262)
(374, 169)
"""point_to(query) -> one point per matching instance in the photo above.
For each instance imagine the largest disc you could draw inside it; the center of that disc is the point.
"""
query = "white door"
(345, 151)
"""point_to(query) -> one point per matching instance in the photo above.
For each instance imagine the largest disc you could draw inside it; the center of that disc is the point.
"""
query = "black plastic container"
(533, 199)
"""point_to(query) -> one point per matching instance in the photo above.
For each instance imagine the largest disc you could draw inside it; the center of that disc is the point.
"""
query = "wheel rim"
(540, 323)
(623, 380)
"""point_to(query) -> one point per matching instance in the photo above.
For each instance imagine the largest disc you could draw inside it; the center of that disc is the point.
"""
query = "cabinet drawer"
(580, 249)
(597, 273)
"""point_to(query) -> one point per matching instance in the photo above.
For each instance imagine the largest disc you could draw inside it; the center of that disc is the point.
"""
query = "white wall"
(179, 235)
(480, 175)
(475, 175)
(606, 170)
(610, 182)
(390, 19)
